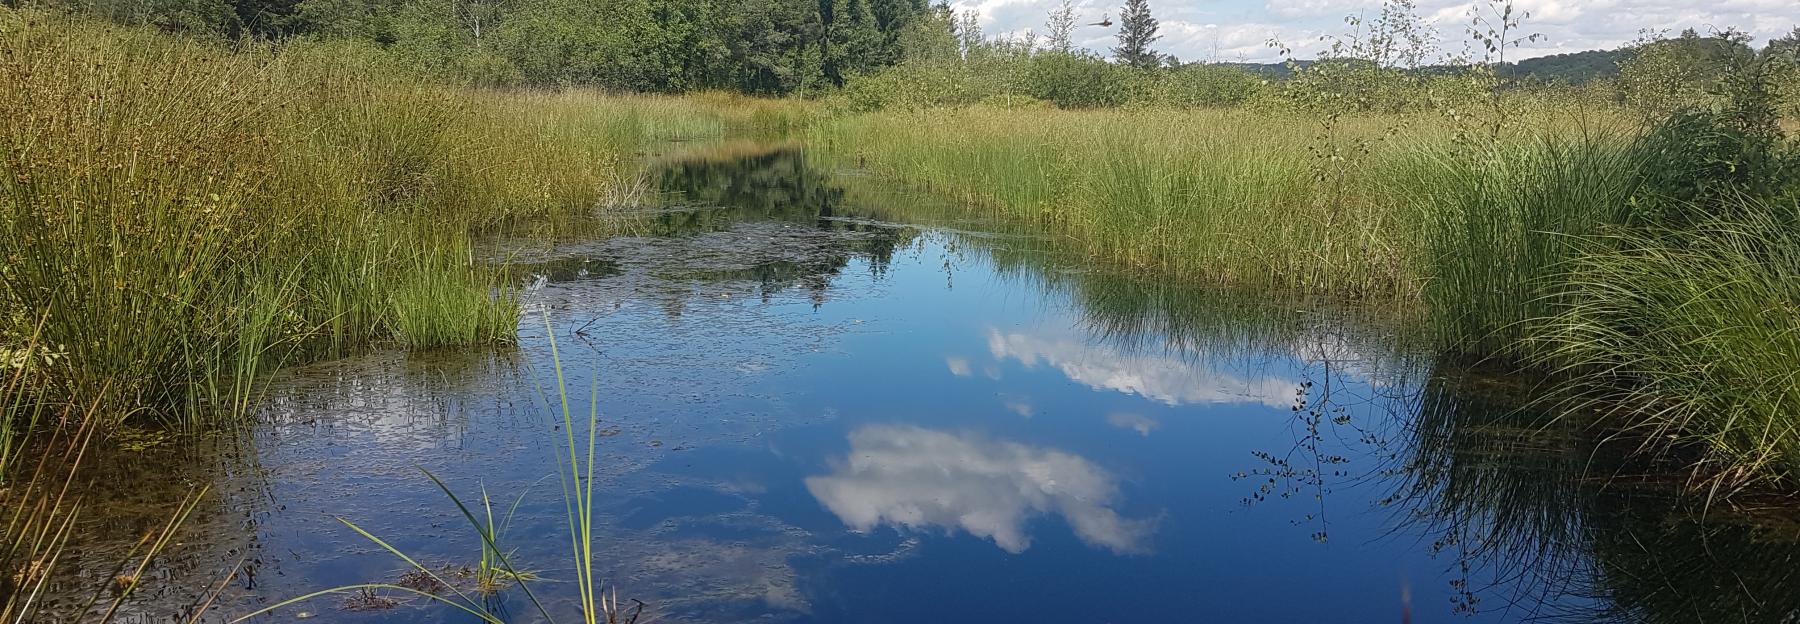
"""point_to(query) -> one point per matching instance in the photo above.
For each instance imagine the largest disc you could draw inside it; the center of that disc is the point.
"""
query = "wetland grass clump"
(459, 304)
(1227, 197)
(178, 215)
(1692, 336)
(1495, 225)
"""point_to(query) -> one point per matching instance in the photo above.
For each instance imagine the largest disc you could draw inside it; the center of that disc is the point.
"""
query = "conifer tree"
(1137, 30)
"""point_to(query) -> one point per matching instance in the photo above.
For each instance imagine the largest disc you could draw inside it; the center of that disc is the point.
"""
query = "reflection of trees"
(735, 218)
(777, 185)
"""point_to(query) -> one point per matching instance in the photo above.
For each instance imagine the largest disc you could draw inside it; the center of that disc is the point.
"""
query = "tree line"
(752, 46)
(896, 52)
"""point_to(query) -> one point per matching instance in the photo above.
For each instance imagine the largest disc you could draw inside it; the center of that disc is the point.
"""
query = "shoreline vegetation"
(191, 200)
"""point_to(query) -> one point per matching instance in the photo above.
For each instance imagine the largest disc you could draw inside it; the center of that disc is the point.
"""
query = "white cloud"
(1230, 30)
(1140, 423)
(1171, 380)
(920, 479)
(958, 366)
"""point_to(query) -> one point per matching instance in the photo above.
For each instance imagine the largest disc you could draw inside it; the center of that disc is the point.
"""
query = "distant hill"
(1267, 70)
(1572, 68)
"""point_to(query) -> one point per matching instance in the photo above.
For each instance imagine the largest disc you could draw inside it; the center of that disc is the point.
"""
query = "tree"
(1137, 30)
(1784, 50)
(1661, 76)
(1062, 28)
(968, 32)
(852, 42)
(931, 37)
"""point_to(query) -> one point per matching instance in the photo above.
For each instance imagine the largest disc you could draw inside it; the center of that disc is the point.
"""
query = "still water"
(826, 403)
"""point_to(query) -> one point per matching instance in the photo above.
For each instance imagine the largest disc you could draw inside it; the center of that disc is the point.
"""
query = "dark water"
(821, 410)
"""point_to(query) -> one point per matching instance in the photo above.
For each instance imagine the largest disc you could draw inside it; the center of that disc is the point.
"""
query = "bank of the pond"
(1576, 243)
(178, 216)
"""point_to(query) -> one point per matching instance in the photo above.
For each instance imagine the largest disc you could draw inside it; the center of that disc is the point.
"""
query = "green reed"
(179, 216)
(1691, 335)
(1494, 225)
(1226, 197)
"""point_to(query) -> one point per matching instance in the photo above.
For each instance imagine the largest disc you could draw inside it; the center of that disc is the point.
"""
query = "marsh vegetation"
(196, 201)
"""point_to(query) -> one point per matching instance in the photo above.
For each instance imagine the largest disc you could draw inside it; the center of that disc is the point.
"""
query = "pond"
(825, 400)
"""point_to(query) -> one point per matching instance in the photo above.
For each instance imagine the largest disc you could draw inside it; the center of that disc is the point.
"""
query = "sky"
(1239, 30)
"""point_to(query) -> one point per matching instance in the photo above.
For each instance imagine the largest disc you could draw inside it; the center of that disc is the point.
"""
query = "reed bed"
(1229, 197)
(1692, 334)
(1539, 247)
(178, 216)
(1493, 227)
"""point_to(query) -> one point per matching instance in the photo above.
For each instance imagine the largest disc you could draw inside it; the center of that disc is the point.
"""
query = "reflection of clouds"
(1162, 378)
(1135, 422)
(1019, 406)
(1344, 356)
(919, 478)
(958, 366)
(713, 572)
(714, 566)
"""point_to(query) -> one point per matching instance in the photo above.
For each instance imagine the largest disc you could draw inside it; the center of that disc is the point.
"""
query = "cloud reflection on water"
(1162, 378)
(919, 479)
(1140, 423)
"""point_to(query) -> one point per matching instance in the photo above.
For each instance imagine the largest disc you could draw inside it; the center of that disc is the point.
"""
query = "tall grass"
(1220, 196)
(1496, 224)
(178, 216)
(1692, 335)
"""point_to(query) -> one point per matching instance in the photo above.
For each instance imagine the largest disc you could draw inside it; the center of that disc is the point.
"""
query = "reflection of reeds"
(1555, 521)
(1493, 483)
(43, 509)
(497, 570)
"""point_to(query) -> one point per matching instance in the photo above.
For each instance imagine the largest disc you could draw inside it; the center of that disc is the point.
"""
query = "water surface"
(823, 405)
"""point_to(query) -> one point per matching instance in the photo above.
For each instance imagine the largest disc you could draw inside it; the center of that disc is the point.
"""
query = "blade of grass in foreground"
(578, 497)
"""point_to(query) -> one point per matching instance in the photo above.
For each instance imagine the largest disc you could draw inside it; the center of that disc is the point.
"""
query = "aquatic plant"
(598, 602)
(491, 573)
(1691, 336)
(179, 216)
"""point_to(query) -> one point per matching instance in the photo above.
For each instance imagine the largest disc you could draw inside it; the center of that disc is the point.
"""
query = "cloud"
(1135, 422)
(1232, 30)
(958, 366)
(920, 479)
(1171, 380)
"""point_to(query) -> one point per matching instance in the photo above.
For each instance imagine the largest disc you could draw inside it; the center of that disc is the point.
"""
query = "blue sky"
(1234, 30)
